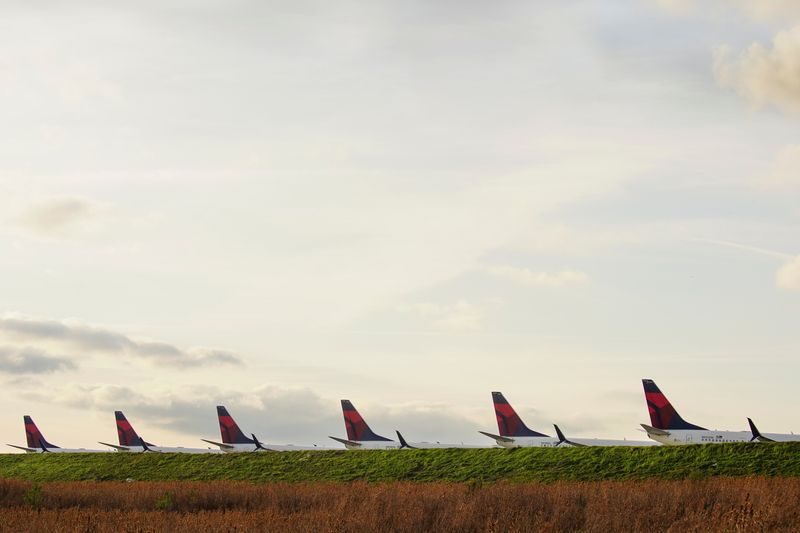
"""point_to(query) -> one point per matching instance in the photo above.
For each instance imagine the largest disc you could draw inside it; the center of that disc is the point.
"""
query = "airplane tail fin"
(508, 421)
(33, 436)
(357, 428)
(662, 414)
(127, 435)
(229, 429)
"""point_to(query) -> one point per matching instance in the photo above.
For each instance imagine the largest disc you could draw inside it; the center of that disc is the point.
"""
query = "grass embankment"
(488, 465)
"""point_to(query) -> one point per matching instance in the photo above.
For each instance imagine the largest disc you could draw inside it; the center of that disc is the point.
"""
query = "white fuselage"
(529, 442)
(373, 445)
(169, 449)
(674, 437)
(242, 448)
(551, 442)
(612, 442)
(64, 450)
(444, 445)
(781, 437)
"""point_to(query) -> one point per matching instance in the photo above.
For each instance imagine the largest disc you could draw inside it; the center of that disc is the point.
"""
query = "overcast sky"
(274, 205)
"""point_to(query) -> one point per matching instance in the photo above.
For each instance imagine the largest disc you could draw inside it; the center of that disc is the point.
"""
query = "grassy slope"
(531, 464)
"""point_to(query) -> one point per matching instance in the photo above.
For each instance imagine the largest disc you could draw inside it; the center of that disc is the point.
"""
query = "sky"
(275, 205)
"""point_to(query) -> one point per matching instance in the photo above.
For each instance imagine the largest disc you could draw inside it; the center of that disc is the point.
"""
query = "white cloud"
(57, 215)
(69, 336)
(757, 9)
(785, 171)
(533, 278)
(764, 76)
(788, 276)
(461, 315)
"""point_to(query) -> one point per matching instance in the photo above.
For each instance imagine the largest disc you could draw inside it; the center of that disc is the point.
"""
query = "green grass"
(488, 465)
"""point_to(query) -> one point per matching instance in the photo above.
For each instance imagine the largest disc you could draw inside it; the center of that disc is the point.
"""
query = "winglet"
(43, 447)
(564, 440)
(756, 433)
(561, 438)
(257, 443)
(403, 443)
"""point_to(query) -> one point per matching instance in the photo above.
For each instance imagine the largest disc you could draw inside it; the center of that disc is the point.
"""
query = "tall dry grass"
(717, 504)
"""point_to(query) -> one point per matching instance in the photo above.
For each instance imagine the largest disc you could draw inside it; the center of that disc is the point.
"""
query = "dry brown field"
(715, 504)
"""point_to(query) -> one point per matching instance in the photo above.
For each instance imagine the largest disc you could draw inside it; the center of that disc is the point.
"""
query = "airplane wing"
(654, 431)
(221, 445)
(496, 437)
(25, 448)
(345, 441)
(115, 446)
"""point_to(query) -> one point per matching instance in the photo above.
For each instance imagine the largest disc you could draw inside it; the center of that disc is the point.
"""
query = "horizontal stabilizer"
(655, 431)
(496, 437)
(116, 447)
(221, 445)
(29, 450)
(345, 441)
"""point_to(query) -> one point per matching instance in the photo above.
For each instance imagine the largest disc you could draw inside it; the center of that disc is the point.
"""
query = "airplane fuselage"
(676, 437)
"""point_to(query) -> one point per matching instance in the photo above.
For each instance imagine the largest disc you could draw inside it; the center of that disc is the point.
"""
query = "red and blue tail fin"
(229, 429)
(127, 435)
(662, 414)
(508, 421)
(357, 428)
(33, 436)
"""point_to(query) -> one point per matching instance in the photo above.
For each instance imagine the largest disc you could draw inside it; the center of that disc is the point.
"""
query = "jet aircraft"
(38, 444)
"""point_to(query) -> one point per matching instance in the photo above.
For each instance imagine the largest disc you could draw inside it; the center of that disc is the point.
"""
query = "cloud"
(69, 336)
(764, 76)
(788, 276)
(756, 9)
(784, 171)
(537, 279)
(461, 315)
(770, 9)
(14, 360)
(58, 215)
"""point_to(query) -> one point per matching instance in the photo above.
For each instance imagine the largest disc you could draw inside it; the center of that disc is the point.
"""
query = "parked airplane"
(234, 440)
(38, 444)
(513, 431)
(130, 441)
(515, 434)
(359, 435)
(667, 426)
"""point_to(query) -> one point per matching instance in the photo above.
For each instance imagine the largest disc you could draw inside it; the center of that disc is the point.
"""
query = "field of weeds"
(717, 504)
